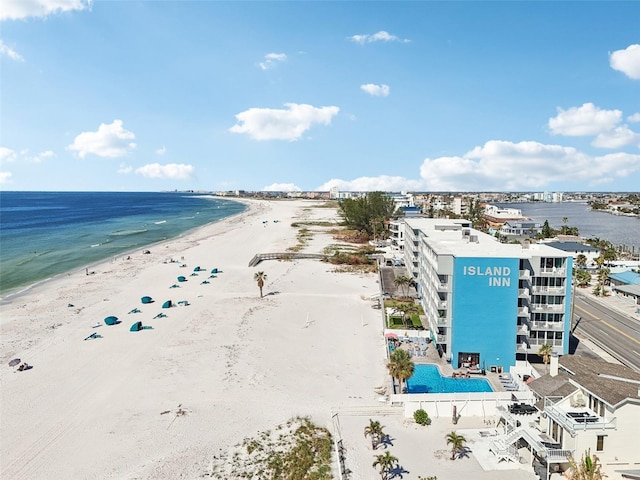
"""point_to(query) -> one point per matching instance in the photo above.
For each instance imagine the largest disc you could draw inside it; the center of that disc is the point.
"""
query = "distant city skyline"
(307, 95)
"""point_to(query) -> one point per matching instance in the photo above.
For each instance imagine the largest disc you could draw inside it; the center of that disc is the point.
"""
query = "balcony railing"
(553, 270)
(441, 338)
(524, 292)
(523, 312)
(556, 326)
(572, 424)
(547, 307)
(547, 289)
(443, 287)
(525, 274)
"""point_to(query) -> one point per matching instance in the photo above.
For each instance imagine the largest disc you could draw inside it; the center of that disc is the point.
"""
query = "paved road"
(614, 332)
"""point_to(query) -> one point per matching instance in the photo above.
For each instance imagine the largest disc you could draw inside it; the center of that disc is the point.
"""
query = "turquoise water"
(44, 234)
(427, 379)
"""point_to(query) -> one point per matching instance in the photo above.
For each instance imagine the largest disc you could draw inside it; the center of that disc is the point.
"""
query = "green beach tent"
(111, 320)
(146, 300)
(167, 304)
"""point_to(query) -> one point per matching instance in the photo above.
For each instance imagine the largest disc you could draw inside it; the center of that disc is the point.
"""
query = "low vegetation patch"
(297, 450)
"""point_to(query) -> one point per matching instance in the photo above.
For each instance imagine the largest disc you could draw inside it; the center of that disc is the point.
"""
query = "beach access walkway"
(260, 257)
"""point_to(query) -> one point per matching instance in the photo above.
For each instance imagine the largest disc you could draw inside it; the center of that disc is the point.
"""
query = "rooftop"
(610, 382)
(456, 237)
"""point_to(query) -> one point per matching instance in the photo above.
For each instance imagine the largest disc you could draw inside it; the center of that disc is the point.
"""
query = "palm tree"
(588, 468)
(545, 352)
(403, 282)
(581, 260)
(385, 463)
(457, 443)
(400, 366)
(260, 277)
(407, 309)
(375, 431)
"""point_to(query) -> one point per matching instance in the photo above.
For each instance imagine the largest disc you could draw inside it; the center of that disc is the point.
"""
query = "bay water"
(617, 229)
(44, 234)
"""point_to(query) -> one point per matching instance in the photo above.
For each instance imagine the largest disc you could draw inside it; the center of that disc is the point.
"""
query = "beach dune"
(161, 402)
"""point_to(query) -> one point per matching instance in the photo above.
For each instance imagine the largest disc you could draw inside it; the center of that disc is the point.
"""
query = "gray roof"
(603, 379)
(572, 247)
(630, 289)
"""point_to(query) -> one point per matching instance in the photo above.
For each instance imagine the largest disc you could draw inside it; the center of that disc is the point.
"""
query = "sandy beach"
(234, 363)
(163, 402)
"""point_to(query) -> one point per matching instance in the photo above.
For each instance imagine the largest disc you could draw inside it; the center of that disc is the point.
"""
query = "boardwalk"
(259, 257)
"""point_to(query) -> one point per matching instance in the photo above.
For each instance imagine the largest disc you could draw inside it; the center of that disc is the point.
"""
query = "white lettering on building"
(497, 276)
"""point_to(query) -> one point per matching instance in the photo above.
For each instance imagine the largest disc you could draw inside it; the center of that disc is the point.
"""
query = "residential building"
(589, 405)
(576, 249)
(486, 301)
(520, 228)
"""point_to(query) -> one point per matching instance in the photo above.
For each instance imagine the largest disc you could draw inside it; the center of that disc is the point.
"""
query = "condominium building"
(486, 301)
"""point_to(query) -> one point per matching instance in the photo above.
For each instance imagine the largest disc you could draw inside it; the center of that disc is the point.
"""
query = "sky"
(127, 95)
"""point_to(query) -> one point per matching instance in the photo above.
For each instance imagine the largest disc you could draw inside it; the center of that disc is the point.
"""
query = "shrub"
(421, 417)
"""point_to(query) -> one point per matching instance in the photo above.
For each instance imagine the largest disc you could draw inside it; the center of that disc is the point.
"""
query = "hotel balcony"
(523, 330)
(545, 307)
(442, 304)
(554, 271)
(443, 287)
(575, 419)
(525, 274)
(536, 343)
(441, 338)
(546, 289)
(554, 326)
(524, 293)
(523, 312)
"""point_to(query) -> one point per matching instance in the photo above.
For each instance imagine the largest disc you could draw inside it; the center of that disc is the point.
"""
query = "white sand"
(236, 363)
(233, 363)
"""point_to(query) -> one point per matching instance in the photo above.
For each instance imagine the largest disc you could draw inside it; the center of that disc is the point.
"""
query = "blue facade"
(484, 311)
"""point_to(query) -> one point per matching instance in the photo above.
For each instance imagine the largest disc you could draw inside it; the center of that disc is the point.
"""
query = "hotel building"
(486, 301)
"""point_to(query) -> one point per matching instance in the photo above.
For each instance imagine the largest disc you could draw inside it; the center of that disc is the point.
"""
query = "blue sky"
(303, 95)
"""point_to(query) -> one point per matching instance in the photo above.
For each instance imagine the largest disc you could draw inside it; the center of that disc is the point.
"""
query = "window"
(600, 443)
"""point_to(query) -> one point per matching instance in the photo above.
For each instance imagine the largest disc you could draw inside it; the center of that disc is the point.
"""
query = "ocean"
(44, 234)
(618, 229)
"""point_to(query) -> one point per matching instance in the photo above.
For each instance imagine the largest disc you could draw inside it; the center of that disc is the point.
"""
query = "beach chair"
(184, 303)
(93, 336)
(135, 310)
(175, 285)
(205, 282)
(160, 315)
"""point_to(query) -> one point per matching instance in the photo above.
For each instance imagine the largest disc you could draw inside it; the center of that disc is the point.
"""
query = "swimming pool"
(427, 379)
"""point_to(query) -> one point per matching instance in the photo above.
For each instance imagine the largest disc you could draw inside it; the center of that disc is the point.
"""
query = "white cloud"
(5, 177)
(10, 52)
(380, 36)
(585, 120)
(161, 151)
(506, 166)
(171, 171)
(627, 61)
(616, 138)
(383, 183)
(271, 60)
(125, 169)
(634, 118)
(282, 124)
(282, 187)
(43, 155)
(375, 90)
(7, 155)
(19, 9)
(109, 141)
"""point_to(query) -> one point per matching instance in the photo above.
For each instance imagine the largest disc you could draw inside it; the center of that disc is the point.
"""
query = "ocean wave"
(124, 233)
(160, 222)
(95, 245)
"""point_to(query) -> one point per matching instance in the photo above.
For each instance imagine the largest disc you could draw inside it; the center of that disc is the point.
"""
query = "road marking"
(633, 339)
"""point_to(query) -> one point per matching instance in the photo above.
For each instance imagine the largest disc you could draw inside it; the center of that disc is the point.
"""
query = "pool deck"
(447, 370)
